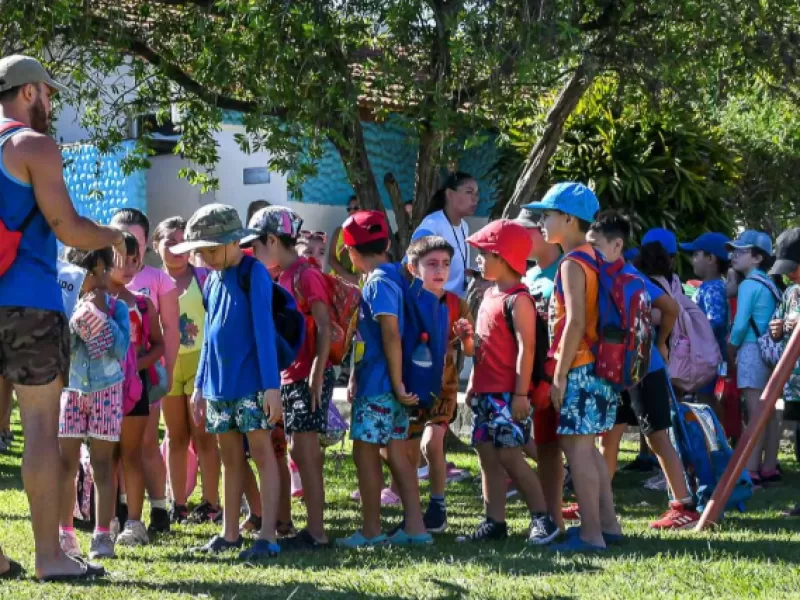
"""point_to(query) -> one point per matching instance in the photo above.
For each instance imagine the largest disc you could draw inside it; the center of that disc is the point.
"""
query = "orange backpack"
(345, 302)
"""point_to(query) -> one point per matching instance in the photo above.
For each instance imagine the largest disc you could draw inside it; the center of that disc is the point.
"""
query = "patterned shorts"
(96, 415)
(441, 413)
(296, 399)
(34, 345)
(492, 422)
(378, 420)
(242, 415)
(590, 404)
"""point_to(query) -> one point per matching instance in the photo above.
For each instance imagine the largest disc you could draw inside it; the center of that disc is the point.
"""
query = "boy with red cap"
(498, 391)
(376, 387)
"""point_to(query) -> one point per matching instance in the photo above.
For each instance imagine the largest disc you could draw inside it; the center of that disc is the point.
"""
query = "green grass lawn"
(753, 554)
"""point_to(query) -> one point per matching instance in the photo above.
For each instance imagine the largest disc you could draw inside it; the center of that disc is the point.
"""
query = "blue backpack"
(700, 441)
(625, 324)
(424, 315)
(290, 324)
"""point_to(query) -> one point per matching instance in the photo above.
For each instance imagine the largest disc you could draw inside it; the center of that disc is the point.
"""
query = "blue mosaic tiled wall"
(392, 148)
(84, 180)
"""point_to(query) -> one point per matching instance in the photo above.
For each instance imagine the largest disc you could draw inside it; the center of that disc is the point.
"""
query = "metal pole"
(752, 432)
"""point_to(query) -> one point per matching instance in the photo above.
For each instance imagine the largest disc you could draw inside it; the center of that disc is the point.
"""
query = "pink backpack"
(132, 386)
(694, 353)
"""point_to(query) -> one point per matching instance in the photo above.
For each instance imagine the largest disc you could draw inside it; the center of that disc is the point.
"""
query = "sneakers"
(134, 534)
(179, 514)
(571, 512)
(388, 497)
(159, 521)
(543, 530)
(435, 518)
(678, 516)
(261, 550)
(487, 531)
(657, 483)
(303, 542)
(102, 546)
(219, 544)
(206, 512)
(69, 544)
(115, 528)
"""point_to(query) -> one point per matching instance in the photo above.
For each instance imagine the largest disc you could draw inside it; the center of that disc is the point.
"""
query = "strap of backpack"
(244, 273)
(508, 308)
(296, 288)
(754, 327)
(6, 131)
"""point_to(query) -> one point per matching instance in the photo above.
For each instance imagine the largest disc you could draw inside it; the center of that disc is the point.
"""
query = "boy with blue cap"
(711, 263)
(587, 405)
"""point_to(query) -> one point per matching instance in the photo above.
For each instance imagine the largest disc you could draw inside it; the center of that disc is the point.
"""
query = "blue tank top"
(32, 281)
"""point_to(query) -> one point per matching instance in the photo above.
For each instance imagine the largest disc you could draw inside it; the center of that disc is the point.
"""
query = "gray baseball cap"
(17, 70)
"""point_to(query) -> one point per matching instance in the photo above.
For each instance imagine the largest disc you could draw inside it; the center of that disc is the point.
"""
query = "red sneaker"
(677, 517)
(571, 512)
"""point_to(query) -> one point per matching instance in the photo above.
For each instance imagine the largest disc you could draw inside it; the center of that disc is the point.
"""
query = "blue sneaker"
(357, 540)
(610, 538)
(435, 518)
(575, 544)
(261, 550)
(401, 538)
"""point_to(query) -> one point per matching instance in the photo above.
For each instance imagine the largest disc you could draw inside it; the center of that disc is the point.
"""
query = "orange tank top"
(558, 312)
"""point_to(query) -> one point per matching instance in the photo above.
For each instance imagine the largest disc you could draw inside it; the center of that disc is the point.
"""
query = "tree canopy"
(302, 73)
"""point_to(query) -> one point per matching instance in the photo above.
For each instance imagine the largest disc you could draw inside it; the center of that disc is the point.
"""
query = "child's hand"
(272, 406)
(199, 406)
(315, 382)
(404, 397)
(557, 392)
(463, 329)
(520, 407)
(352, 389)
(776, 329)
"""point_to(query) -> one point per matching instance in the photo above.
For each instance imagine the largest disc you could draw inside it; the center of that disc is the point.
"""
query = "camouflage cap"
(213, 225)
(277, 220)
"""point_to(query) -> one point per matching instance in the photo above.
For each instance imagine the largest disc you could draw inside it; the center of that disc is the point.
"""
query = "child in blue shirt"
(376, 387)
(710, 261)
(237, 389)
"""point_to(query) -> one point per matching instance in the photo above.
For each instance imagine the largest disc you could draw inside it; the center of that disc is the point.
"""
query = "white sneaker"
(135, 534)
(69, 544)
(102, 546)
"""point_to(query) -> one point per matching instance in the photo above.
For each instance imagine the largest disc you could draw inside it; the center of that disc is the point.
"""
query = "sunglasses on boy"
(313, 235)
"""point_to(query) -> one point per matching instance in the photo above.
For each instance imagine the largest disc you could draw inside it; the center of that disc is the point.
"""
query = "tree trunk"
(427, 175)
(356, 163)
(403, 223)
(539, 156)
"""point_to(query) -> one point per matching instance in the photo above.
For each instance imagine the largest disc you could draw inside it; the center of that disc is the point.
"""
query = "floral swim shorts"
(378, 420)
(492, 422)
(242, 415)
(589, 406)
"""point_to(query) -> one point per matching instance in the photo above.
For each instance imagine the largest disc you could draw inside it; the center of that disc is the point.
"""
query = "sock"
(101, 530)
(688, 503)
(162, 504)
(68, 531)
(439, 500)
(123, 499)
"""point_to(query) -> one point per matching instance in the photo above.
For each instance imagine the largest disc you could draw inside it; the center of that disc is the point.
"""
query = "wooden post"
(752, 432)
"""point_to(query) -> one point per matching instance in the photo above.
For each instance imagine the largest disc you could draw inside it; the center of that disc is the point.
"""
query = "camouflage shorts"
(34, 345)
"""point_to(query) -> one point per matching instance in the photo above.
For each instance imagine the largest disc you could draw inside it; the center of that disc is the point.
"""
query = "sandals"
(771, 476)
(261, 550)
(15, 570)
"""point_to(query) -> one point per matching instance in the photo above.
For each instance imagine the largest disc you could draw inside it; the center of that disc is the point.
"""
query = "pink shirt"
(153, 283)
(311, 287)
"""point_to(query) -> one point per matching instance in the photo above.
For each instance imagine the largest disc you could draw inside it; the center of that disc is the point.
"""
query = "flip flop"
(14, 571)
(91, 571)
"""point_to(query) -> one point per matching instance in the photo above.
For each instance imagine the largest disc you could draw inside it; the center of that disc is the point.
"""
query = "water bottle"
(422, 356)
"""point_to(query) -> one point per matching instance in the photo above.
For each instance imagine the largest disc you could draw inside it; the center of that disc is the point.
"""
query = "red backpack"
(345, 302)
(10, 240)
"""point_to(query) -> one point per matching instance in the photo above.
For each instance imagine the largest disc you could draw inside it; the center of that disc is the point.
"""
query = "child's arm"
(264, 329)
(716, 305)
(170, 326)
(573, 281)
(156, 340)
(524, 316)
(467, 329)
(748, 292)
(120, 326)
(393, 349)
(322, 320)
(669, 314)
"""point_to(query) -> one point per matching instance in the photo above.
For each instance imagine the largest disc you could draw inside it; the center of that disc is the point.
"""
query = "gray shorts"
(751, 371)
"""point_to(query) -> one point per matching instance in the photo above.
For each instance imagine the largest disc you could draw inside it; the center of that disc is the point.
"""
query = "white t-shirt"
(457, 236)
